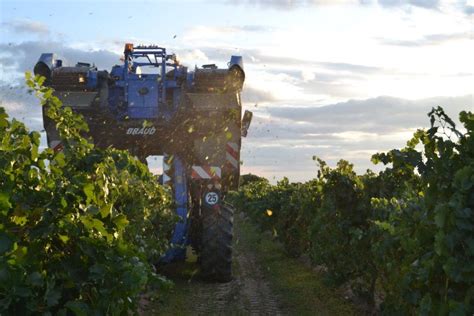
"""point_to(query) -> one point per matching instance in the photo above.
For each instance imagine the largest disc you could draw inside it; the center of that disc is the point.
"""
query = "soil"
(249, 293)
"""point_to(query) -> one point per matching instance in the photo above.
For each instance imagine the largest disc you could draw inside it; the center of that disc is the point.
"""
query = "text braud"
(141, 131)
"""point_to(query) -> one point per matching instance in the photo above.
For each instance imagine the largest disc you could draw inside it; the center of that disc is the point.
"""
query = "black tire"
(216, 247)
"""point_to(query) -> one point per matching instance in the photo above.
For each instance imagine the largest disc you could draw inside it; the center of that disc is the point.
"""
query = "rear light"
(128, 47)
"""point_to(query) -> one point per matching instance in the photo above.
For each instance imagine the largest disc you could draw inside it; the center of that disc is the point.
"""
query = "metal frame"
(179, 239)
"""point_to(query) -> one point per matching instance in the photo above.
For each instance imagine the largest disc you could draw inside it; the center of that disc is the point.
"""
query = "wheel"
(216, 247)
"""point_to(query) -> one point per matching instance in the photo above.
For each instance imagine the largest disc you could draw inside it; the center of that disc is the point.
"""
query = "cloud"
(255, 28)
(191, 56)
(290, 78)
(26, 54)
(333, 79)
(228, 29)
(256, 57)
(295, 4)
(290, 4)
(427, 4)
(21, 105)
(253, 95)
(21, 57)
(282, 140)
(375, 115)
(429, 40)
(209, 32)
(464, 6)
(25, 26)
(334, 88)
(357, 125)
(469, 9)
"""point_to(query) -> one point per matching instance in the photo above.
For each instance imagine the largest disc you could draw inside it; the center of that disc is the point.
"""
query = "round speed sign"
(212, 198)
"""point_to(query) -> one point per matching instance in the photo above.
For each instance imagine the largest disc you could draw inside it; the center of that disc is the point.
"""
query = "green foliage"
(341, 228)
(248, 178)
(285, 209)
(78, 228)
(431, 235)
(407, 231)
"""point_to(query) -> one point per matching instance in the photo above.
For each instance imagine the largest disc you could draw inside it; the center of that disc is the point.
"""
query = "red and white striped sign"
(167, 160)
(56, 145)
(232, 154)
(205, 172)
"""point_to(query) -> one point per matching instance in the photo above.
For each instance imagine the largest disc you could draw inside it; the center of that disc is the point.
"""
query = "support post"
(180, 194)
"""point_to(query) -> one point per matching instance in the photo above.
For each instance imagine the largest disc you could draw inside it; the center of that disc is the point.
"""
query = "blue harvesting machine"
(152, 105)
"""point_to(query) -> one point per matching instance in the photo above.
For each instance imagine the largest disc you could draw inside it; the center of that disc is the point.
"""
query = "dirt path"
(248, 293)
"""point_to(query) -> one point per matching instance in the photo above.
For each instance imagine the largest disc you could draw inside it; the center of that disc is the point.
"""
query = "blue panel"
(117, 72)
(142, 97)
(48, 60)
(236, 60)
(92, 79)
(180, 234)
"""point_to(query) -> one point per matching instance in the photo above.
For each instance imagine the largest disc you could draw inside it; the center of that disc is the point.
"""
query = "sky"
(334, 79)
